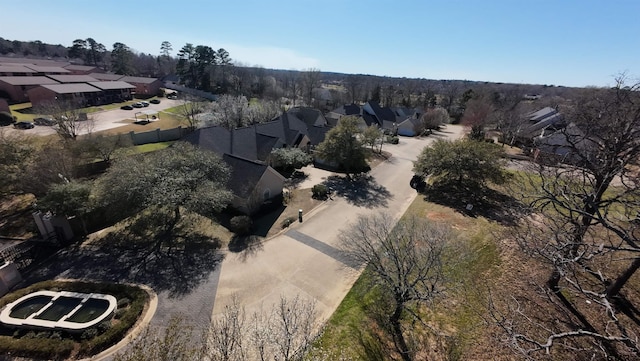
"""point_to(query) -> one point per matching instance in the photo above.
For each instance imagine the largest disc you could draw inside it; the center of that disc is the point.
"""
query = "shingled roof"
(245, 174)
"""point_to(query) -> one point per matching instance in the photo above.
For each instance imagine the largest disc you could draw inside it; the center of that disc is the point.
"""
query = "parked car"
(24, 125)
(154, 101)
(144, 104)
(44, 121)
(137, 105)
(126, 107)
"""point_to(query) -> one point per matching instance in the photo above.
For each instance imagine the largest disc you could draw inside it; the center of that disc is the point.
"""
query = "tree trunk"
(400, 342)
(614, 289)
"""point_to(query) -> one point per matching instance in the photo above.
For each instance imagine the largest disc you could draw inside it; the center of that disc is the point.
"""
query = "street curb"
(137, 328)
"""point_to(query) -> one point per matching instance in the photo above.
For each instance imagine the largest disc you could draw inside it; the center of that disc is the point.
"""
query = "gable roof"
(80, 67)
(47, 69)
(541, 114)
(4, 68)
(245, 174)
(71, 88)
(138, 79)
(72, 78)
(27, 80)
(106, 76)
(110, 85)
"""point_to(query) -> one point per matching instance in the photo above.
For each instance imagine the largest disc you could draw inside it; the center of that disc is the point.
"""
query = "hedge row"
(59, 345)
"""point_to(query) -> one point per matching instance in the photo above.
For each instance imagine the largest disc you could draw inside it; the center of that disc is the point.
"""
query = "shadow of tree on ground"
(178, 263)
(246, 246)
(485, 202)
(362, 191)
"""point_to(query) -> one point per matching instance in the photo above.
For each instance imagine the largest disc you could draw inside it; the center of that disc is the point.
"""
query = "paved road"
(304, 260)
(104, 120)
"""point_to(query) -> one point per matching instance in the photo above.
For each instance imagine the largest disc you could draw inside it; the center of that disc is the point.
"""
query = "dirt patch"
(297, 199)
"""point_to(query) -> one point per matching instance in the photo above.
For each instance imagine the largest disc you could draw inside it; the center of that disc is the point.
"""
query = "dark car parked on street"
(24, 125)
(154, 101)
(126, 107)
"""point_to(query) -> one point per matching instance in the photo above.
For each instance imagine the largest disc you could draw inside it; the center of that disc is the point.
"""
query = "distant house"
(539, 124)
(15, 88)
(560, 146)
(81, 94)
(46, 69)
(144, 86)
(384, 116)
(106, 76)
(82, 69)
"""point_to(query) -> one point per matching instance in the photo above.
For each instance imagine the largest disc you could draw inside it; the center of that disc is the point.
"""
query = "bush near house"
(320, 191)
(241, 225)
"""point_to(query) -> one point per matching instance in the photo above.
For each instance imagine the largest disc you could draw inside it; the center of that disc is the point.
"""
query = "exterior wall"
(305, 143)
(41, 95)
(15, 92)
(155, 136)
(271, 182)
(4, 106)
(271, 185)
(406, 128)
(147, 88)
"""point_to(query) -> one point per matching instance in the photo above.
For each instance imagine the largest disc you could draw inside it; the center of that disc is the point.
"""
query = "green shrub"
(241, 225)
(320, 191)
(393, 140)
(288, 221)
(61, 345)
(6, 118)
(123, 302)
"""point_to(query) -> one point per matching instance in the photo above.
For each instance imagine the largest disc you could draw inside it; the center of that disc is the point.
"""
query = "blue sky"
(560, 42)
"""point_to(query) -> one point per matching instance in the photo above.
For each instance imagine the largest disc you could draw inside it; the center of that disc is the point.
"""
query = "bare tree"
(405, 260)
(285, 331)
(354, 85)
(586, 227)
(292, 328)
(226, 334)
(69, 120)
(176, 343)
(190, 109)
(310, 81)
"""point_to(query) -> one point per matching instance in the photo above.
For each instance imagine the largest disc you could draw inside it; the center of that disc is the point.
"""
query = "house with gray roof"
(247, 150)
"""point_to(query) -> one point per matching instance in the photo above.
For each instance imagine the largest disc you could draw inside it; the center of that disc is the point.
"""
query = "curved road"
(304, 260)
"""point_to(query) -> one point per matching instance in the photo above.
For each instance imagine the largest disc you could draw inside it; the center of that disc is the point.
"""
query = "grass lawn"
(353, 332)
(150, 147)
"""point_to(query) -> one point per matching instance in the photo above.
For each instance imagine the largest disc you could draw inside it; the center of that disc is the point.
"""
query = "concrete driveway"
(304, 260)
